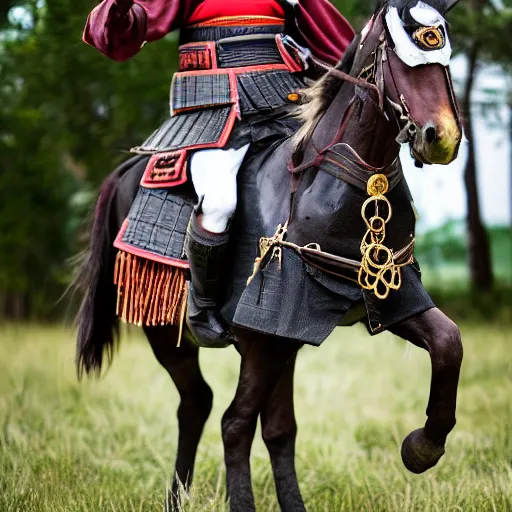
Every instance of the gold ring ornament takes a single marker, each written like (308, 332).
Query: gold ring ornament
(378, 272)
(377, 185)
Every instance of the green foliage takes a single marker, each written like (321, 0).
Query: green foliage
(68, 115)
(356, 11)
(485, 25)
(445, 248)
(442, 254)
(446, 244)
(460, 305)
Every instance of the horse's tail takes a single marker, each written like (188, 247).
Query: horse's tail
(97, 322)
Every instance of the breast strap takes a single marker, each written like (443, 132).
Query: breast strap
(342, 162)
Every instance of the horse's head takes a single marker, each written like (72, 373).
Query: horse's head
(415, 51)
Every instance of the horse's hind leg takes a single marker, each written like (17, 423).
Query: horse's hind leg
(182, 364)
(436, 333)
(264, 360)
(279, 431)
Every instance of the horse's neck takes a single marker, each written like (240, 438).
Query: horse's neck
(326, 207)
(354, 118)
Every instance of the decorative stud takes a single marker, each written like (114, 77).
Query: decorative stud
(378, 185)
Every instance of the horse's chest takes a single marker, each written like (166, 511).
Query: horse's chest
(328, 213)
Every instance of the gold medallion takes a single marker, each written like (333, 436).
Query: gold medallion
(378, 185)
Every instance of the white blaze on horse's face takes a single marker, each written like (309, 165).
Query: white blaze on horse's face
(426, 43)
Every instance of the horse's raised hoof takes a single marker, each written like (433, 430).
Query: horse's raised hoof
(420, 453)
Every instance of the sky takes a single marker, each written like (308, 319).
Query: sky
(438, 190)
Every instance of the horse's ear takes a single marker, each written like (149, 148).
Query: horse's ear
(449, 5)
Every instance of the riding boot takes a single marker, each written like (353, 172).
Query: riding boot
(206, 253)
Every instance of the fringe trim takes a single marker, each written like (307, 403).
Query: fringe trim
(149, 293)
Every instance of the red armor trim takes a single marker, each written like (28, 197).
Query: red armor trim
(294, 62)
(198, 56)
(166, 170)
(122, 246)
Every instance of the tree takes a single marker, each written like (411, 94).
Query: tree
(67, 117)
(5, 7)
(482, 32)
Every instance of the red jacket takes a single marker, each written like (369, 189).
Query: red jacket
(120, 35)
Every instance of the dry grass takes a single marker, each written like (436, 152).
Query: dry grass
(110, 445)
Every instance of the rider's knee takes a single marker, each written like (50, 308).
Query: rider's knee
(218, 209)
(220, 204)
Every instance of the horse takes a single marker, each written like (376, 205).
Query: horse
(330, 210)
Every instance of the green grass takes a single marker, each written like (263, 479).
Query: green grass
(110, 445)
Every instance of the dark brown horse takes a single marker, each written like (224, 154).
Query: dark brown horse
(351, 122)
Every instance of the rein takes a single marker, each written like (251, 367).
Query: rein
(346, 77)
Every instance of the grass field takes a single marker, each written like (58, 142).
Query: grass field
(109, 445)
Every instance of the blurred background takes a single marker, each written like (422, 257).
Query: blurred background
(67, 117)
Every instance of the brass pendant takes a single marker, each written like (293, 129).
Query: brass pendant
(267, 244)
(377, 185)
(378, 272)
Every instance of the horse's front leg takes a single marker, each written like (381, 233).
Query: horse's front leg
(436, 333)
(279, 431)
(264, 360)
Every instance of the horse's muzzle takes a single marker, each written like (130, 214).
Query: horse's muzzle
(437, 142)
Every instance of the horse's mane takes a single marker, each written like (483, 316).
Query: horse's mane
(319, 96)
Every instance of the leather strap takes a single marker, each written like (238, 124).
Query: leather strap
(339, 266)
(342, 162)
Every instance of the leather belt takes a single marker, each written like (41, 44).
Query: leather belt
(241, 52)
(332, 264)
(344, 267)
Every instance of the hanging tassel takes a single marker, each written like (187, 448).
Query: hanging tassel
(149, 293)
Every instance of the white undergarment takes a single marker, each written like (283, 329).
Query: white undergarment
(214, 173)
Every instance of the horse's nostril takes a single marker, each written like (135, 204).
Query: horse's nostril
(430, 135)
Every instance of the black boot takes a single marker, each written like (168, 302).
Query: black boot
(206, 256)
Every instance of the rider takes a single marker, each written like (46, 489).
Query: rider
(119, 29)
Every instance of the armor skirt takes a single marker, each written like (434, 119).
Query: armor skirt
(238, 72)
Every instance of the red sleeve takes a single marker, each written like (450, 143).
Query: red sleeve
(120, 35)
(326, 32)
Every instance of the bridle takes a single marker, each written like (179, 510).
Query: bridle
(369, 59)
(371, 64)
(373, 70)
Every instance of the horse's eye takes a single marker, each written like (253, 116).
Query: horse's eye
(429, 38)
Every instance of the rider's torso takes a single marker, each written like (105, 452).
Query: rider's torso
(212, 9)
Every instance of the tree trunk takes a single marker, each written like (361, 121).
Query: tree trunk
(510, 150)
(5, 7)
(478, 242)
